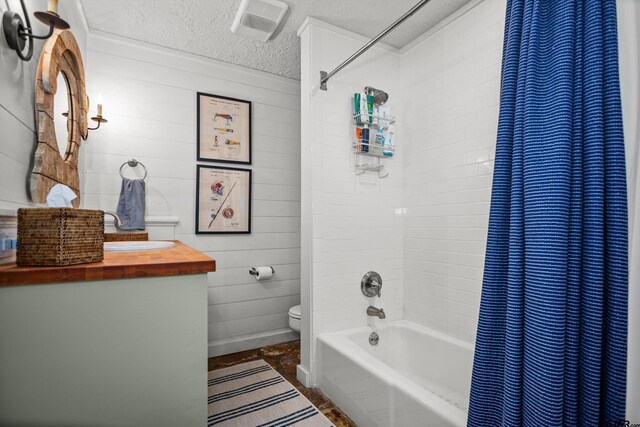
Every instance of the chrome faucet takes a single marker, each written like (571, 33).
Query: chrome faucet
(116, 219)
(378, 312)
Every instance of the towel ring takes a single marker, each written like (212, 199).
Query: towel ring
(132, 164)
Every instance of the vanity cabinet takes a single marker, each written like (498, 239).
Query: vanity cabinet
(122, 342)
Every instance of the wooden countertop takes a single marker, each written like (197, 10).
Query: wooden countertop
(175, 261)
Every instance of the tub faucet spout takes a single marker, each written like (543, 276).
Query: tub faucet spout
(378, 312)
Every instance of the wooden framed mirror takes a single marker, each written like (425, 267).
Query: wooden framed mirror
(60, 77)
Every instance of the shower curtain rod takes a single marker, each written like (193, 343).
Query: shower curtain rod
(324, 76)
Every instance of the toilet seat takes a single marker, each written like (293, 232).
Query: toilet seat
(294, 318)
(294, 312)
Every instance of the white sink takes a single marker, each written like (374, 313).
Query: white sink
(137, 246)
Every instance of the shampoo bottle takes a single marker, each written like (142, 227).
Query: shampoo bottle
(365, 139)
(390, 141)
(360, 108)
(358, 145)
(376, 148)
(369, 103)
(356, 108)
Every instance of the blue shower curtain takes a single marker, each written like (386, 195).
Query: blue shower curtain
(551, 342)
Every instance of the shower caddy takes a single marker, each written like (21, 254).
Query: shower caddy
(362, 148)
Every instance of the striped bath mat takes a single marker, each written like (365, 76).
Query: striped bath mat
(252, 394)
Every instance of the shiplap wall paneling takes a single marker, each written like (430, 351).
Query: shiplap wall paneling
(150, 100)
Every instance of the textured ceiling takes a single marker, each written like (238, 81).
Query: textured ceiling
(202, 27)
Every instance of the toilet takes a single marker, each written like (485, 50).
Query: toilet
(294, 318)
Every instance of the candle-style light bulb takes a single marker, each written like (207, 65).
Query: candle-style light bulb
(100, 101)
(53, 6)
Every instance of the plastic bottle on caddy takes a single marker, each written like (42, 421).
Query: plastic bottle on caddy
(365, 139)
(390, 141)
(376, 147)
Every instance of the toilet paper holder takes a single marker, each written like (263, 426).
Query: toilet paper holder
(253, 271)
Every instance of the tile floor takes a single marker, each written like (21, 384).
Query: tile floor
(284, 358)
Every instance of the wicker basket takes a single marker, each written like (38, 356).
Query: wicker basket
(59, 236)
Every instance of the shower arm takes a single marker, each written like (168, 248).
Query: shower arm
(324, 76)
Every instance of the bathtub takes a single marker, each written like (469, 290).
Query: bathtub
(414, 376)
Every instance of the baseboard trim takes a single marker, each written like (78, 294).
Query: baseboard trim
(249, 342)
(304, 376)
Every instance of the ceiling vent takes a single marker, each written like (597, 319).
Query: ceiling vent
(258, 19)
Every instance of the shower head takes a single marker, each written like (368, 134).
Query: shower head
(379, 96)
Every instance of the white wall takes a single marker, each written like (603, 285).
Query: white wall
(150, 101)
(17, 86)
(451, 86)
(351, 226)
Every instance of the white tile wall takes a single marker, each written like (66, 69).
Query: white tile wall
(423, 228)
(150, 101)
(452, 84)
(354, 227)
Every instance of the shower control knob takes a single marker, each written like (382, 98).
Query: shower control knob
(371, 284)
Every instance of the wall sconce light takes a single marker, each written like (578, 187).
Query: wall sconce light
(98, 118)
(17, 34)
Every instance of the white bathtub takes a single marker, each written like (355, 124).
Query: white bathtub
(414, 376)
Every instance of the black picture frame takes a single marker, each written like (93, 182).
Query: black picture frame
(246, 196)
(245, 159)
